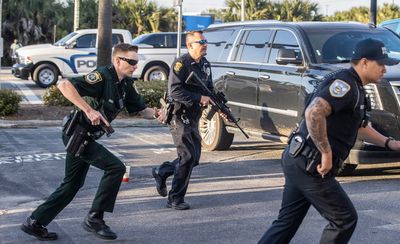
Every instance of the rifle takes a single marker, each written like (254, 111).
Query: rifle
(219, 101)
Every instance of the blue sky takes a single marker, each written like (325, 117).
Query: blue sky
(326, 6)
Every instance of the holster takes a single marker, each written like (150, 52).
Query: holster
(299, 146)
(167, 109)
(77, 142)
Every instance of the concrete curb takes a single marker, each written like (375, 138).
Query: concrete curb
(118, 123)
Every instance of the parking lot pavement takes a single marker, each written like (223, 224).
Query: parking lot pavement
(235, 194)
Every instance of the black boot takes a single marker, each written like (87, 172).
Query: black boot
(94, 223)
(34, 228)
(161, 186)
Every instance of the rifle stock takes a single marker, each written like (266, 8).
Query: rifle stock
(219, 102)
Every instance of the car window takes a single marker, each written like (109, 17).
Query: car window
(216, 42)
(117, 39)
(284, 40)
(391, 26)
(337, 45)
(155, 40)
(174, 41)
(228, 47)
(253, 46)
(86, 41)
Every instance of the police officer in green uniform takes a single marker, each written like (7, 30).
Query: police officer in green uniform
(188, 98)
(112, 89)
(336, 114)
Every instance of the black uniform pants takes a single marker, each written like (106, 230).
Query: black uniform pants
(188, 145)
(302, 190)
(76, 169)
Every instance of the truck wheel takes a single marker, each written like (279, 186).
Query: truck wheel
(213, 133)
(347, 168)
(156, 72)
(45, 75)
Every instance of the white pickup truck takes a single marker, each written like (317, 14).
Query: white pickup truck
(74, 54)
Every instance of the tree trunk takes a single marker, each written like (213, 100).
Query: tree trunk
(104, 27)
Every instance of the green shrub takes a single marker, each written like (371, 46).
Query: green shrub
(152, 91)
(9, 101)
(53, 97)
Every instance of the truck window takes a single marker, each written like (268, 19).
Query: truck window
(86, 41)
(391, 26)
(284, 39)
(117, 39)
(253, 46)
(216, 42)
(336, 45)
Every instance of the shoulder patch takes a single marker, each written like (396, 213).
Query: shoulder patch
(93, 77)
(178, 66)
(339, 88)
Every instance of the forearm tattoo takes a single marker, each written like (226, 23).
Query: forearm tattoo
(316, 114)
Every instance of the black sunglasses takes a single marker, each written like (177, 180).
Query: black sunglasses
(129, 61)
(201, 42)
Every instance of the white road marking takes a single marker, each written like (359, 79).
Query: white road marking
(27, 93)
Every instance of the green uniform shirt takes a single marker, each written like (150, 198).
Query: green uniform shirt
(103, 85)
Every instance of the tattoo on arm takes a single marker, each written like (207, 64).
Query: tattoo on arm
(315, 116)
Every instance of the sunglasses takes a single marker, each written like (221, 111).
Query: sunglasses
(129, 61)
(201, 42)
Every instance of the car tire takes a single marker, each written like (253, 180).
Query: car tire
(45, 75)
(213, 132)
(347, 168)
(156, 72)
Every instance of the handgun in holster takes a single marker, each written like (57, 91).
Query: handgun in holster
(298, 145)
(78, 135)
(167, 108)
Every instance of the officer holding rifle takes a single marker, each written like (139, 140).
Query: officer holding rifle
(188, 99)
(100, 96)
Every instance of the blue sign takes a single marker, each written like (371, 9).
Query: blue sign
(193, 22)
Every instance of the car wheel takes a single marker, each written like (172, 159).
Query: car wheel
(156, 72)
(347, 168)
(45, 75)
(213, 132)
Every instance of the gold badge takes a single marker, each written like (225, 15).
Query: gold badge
(339, 88)
(93, 77)
(178, 66)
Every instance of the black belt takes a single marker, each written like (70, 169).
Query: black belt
(307, 151)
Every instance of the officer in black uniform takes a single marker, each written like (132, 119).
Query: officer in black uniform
(111, 89)
(323, 140)
(188, 98)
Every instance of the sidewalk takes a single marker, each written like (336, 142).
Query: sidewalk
(118, 123)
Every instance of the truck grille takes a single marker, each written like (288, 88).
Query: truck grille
(372, 92)
(396, 90)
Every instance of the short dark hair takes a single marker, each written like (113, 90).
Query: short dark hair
(190, 34)
(123, 48)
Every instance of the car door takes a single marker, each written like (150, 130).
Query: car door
(82, 57)
(279, 86)
(241, 76)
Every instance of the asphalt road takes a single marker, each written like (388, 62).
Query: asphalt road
(235, 195)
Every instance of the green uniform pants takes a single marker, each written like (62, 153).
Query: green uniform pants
(76, 169)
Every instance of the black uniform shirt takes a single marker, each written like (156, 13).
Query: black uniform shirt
(344, 92)
(103, 85)
(188, 93)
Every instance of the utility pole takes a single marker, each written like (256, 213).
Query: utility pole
(372, 19)
(76, 14)
(243, 10)
(1, 37)
(178, 3)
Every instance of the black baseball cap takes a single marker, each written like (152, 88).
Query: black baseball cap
(373, 49)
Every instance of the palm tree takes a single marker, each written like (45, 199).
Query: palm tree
(104, 33)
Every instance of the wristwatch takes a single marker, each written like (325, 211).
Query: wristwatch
(387, 142)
